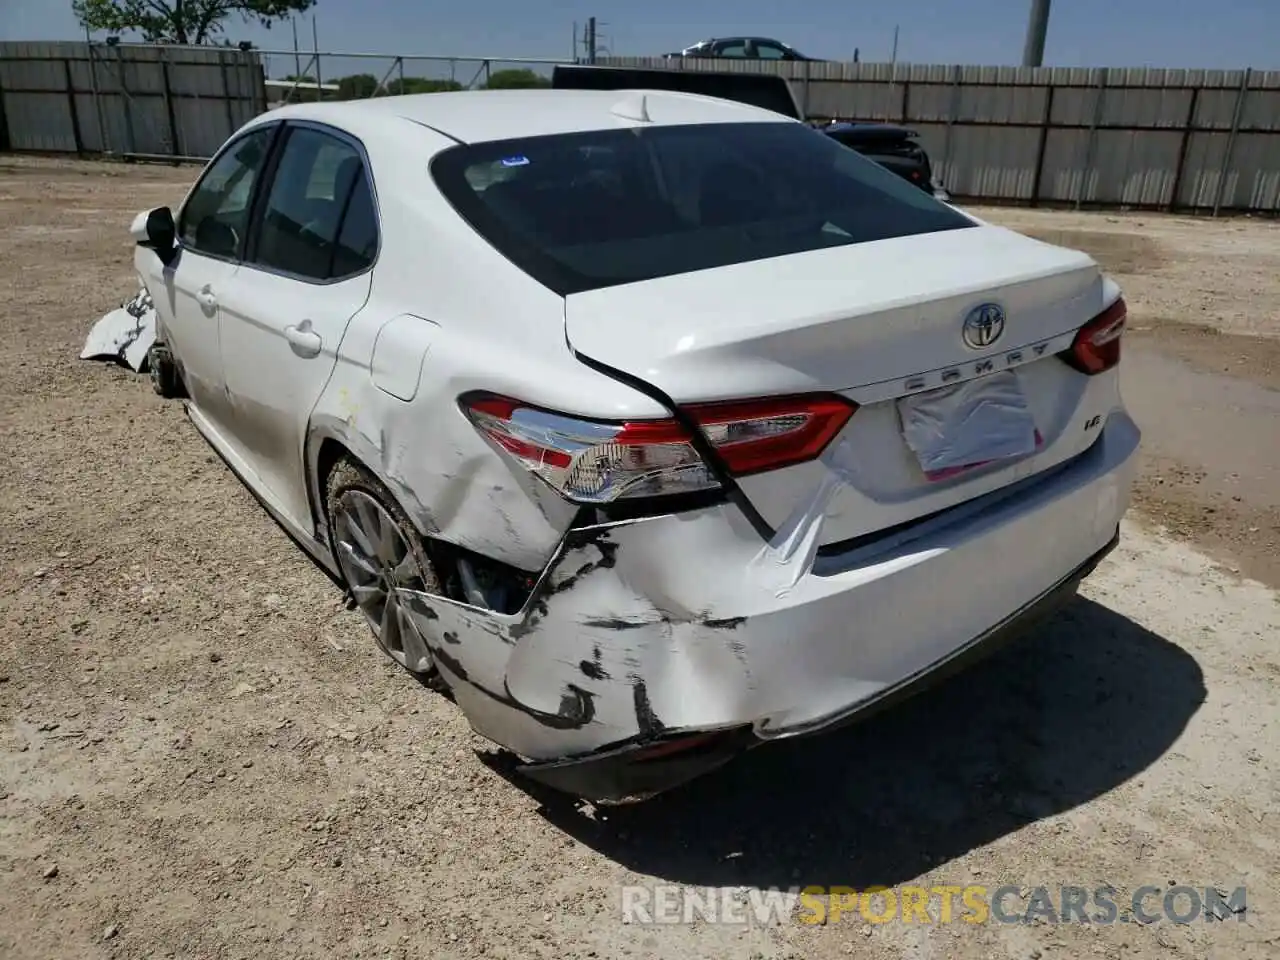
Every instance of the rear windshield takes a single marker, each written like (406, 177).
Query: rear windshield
(589, 210)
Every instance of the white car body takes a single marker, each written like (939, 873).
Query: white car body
(647, 648)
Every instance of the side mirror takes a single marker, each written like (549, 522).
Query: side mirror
(156, 231)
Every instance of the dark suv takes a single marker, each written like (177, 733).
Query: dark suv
(894, 148)
(741, 48)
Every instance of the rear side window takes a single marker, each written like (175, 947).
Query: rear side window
(588, 210)
(357, 245)
(319, 206)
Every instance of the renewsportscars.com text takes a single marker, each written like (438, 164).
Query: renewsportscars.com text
(939, 903)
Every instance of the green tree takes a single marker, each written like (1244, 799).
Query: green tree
(517, 79)
(358, 86)
(180, 21)
(304, 78)
(421, 85)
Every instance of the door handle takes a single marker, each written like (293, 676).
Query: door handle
(304, 341)
(206, 297)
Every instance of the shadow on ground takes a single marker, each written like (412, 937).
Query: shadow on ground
(1050, 722)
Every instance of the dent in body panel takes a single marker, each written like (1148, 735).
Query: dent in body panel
(449, 481)
(789, 556)
(550, 681)
(608, 648)
(595, 645)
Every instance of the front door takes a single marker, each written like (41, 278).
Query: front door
(306, 273)
(212, 226)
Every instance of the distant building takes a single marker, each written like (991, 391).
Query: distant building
(298, 91)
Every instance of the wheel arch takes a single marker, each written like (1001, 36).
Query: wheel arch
(328, 441)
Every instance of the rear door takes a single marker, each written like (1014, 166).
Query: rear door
(306, 274)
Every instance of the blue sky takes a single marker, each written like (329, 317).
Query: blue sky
(1172, 33)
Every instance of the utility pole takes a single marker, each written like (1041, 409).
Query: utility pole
(591, 40)
(1037, 30)
(315, 45)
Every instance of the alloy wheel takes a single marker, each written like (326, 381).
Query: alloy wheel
(376, 559)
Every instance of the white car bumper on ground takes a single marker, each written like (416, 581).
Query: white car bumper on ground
(643, 633)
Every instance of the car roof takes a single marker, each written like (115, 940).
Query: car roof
(477, 116)
(702, 43)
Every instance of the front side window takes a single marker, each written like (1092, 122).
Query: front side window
(588, 210)
(215, 217)
(731, 48)
(320, 182)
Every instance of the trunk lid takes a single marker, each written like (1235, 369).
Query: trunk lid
(876, 322)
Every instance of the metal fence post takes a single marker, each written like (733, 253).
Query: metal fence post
(1045, 127)
(256, 79)
(1091, 142)
(893, 82)
(171, 115)
(952, 109)
(104, 143)
(4, 122)
(1187, 130)
(131, 145)
(381, 85)
(808, 64)
(226, 93)
(1227, 154)
(71, 105)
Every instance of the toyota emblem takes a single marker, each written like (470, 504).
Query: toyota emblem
(983, 325)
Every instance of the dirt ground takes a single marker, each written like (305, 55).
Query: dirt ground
(203, 756)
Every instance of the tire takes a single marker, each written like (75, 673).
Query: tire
(376, 546)
(166, 379)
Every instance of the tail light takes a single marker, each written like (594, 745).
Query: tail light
(1097, 345)
(595, 461)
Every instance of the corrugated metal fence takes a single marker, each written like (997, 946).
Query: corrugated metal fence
(1204, 140)
(130, 100)
(1201, 140)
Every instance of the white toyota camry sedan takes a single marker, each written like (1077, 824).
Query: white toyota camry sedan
(652, 427)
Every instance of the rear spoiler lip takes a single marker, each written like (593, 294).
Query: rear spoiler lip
(773, 91)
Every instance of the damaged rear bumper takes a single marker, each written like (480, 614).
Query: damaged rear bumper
(637, 771)
(643, 635)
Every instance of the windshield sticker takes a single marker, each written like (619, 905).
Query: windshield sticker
(519, 161)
